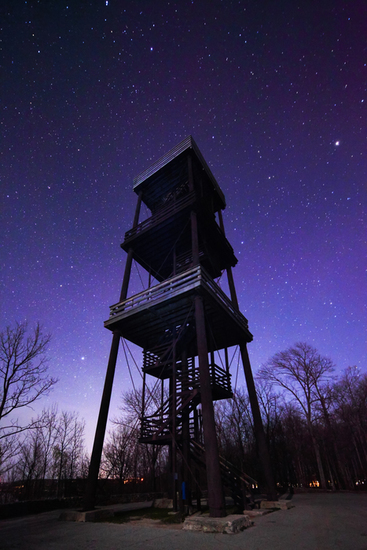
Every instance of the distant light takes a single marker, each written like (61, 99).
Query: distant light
(337, 143)
(106, 2)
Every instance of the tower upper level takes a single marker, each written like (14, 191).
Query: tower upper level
(168, 178)
(183, 246)
(172, 188)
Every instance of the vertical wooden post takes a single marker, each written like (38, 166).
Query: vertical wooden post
(143, 397)
(258, 426)
(215, 488)
(197, 471)
(173, 421)
(91, 487)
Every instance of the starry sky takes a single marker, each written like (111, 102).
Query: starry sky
(275, 96)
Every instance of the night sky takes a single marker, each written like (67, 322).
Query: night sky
(275, 96)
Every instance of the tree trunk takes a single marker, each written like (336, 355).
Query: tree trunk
(318, 458)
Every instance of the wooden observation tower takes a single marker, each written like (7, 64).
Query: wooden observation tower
(183, 320)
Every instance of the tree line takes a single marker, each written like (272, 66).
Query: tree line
(41, 456)
(124, 459)
(49, 457)
(42, 452)
(315, 424)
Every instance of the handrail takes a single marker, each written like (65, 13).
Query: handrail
(220, 377)
(157, 422)
(165, 213)
(227, 464)
(175, 285)
(215, 289)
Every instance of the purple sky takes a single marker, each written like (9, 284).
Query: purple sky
(274, 94)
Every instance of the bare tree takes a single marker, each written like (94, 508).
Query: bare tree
(24, 374)
(48, 434)
(302, 371)
(123, 456)
(119, 452)
(235, 431)
(297, 445)
(68, 449)
(349, 411)
(29, 464)
(23, 380)
(9, 447)
(51, 454)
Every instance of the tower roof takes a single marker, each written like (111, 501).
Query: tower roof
(153, 180)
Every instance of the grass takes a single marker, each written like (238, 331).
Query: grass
(164, 515)
(161, 514)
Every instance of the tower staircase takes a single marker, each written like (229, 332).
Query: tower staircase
(160, 361)
(157, 427)
(239, 484)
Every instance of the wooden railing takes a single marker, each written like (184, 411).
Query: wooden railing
(226, 467)
(171, 287)
(161, 356)
(169, 210)
(158, 424)
(188, 379)
(216, 291)
(192, 278)
(220, 378)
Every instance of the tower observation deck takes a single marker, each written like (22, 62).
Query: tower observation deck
(183, 319)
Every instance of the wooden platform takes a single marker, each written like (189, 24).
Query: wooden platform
(145, 318)
(168, 228)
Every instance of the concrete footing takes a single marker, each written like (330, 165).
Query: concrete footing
(163, 503)
(230, 524)
(276, 504)
(106, 512)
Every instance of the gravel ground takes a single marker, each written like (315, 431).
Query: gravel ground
(316, 522)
